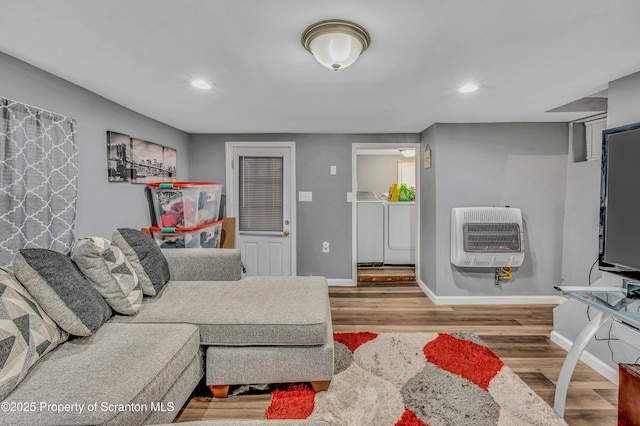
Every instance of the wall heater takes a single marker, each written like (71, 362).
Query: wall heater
(488, 237)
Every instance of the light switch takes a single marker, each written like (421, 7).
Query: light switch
(334, 170)
(305, 196)
(350, 197)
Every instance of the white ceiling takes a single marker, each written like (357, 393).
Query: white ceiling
(528, 56)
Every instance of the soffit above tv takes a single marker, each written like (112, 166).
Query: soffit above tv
(588, 104)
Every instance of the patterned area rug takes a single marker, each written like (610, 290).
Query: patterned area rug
(415, 379)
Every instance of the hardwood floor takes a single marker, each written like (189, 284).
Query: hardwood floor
(518, 334)
(382, 274)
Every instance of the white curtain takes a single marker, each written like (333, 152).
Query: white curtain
(38, 179)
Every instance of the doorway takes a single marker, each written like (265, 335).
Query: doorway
(385, 238)
(260, 180)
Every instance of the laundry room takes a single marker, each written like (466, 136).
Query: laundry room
(386, 214)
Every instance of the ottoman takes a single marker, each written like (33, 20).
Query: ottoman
(284, 335)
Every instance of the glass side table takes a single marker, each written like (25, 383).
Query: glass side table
(609, 302)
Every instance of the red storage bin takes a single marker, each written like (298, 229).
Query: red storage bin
(185, 204)
(205, 236)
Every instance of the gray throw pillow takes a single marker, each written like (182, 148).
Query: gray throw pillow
(26, 332)
(146, 258)
(108, 271)
(59, 287)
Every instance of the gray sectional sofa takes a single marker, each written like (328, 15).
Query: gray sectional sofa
(141, 368)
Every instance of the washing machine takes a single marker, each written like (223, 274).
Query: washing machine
(370, 229)
(399, 233)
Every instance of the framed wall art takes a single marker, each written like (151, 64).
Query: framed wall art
(118, 157)
(170, 162)
(152, 162)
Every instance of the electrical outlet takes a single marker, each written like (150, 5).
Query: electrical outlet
(305, 196)
(325, 247)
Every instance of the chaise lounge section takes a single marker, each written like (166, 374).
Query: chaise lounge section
(140, 368)
(256, 330)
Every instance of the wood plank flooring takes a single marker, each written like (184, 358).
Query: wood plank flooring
(518, 334)
(386, 274)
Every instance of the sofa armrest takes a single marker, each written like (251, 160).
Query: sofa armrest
(203, 264)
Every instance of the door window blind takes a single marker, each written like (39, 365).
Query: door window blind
(261, 193)
(593, 133)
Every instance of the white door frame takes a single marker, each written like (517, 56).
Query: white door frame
(229, 146)
(354, 210)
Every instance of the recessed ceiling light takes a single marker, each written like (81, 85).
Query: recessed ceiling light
(468, 88)
(201, 84)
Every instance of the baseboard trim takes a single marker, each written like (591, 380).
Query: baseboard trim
(340, 282)
(489, 300)
(499, 300)
(592, 361)
(430, 294)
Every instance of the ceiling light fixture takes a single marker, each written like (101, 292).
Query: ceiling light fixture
(407, 152)
(201, 84)
(468, 88)
(335, 43)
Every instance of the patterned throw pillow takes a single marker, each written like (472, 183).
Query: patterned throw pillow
(59, 287)
(26, 332)
(108, 271)
(146, 258)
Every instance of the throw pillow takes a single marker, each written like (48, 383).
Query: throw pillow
(108, 271)
(59, 287)
(26, 333)
(146, 258)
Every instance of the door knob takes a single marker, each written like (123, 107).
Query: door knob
(286, 221)
(285, 233)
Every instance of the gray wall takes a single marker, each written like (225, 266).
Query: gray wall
(580, 244)
(517, 164)
(582, 210)
(428, 212)
(102, 206)
(624, 101)
(328, 216)
(578, 145)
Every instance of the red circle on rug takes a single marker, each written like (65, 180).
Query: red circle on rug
(409, 418)
(354, 340)
(296, 402)
(464, 358)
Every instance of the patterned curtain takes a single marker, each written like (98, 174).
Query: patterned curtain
(38, 179)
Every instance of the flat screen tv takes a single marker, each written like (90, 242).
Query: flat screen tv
(619, 232)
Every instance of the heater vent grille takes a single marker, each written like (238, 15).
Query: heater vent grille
(493, 237)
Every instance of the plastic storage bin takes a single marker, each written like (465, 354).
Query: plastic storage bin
(206, 236)
(185, 204)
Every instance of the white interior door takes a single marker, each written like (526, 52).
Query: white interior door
(262, 204)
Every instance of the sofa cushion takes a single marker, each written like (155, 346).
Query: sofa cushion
(26, 332)
(253, 311)
(134, 364)
(204, 264)
(146, 258)
(108, 271)
(59, 287)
